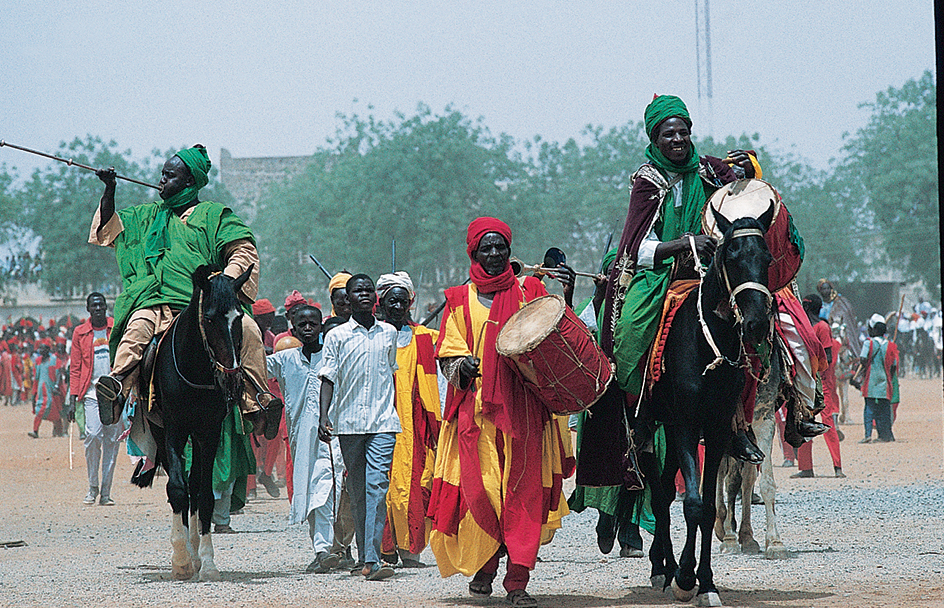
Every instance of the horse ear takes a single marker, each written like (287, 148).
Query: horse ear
(239, 281)
(723, 223)
(201, 278)
(767, 217)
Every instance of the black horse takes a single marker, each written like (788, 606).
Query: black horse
(198, 381)
(698, 392)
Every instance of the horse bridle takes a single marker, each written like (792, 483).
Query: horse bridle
(217, 366)
(738, 233)
(706, 332)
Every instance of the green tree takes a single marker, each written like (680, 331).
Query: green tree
(414, 180)
(891, 166)
(57, 204)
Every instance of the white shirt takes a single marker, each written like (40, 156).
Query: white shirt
(101, 364)
(360, 363)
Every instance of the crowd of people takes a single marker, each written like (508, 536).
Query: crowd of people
(23, 267)
(395, 436)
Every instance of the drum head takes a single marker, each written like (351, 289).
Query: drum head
(529, 326)
(743, 198)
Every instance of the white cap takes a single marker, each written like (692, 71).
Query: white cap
(875, 319)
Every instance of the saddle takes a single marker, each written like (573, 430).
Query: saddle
(677, 294)
(147, 395)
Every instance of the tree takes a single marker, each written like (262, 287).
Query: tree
(891, 166)
(414, 180)
(57, 204)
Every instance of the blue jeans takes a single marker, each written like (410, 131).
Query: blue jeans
(879, 411)
(368, 459)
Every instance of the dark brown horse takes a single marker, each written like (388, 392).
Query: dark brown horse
(697, 395)
(198, 381)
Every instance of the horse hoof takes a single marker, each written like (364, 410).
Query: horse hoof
(777, 551)
(183, 572)
(750, 547)
(709, 599)
(730, 547)
(657, 581)
(680, 594)
(210, 576)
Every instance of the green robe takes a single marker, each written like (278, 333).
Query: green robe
(234, 460)
(201, 240)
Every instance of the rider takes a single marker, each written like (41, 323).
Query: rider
(668, 195)
(158, 246)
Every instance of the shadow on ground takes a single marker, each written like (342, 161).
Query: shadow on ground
(646, 596)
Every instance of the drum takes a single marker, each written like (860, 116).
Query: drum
(751, 198)
(556, 355)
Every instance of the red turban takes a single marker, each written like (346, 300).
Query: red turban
(294, 299)
(481, 226)
(262, 307)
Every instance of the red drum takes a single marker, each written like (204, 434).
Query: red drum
(751, 198)
(556, 354)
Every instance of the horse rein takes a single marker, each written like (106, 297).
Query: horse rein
(706, 332)
(216, 364)
(219, 367)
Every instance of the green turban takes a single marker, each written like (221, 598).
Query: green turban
(198, 162)
(663, 107)
(608, 259)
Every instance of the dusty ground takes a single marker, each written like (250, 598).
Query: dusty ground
(873, 539)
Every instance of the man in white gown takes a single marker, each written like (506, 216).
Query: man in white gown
(318, 466)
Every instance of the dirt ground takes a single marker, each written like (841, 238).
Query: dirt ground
(875, 538)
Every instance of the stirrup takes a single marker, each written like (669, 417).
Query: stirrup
(110, 399)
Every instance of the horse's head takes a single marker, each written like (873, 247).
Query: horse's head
(221, 323)
(742, 261)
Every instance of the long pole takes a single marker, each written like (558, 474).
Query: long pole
(72, 163)
(323, 269)
(898, 318)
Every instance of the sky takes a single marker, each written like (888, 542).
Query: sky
(268, 79)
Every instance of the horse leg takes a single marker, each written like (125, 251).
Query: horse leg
(746, 531)
(182, 566)
(765, 430)
(725, 525)
(208, 572)
(660, 575)
(714, 452)
(194, 486)
(694, 508)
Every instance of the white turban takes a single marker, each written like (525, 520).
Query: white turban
(876, 319)
(386, 282)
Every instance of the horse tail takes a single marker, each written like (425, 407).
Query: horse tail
(143, 479)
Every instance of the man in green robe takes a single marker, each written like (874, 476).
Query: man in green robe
(158, 246)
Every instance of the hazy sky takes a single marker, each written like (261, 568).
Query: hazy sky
(268, 81)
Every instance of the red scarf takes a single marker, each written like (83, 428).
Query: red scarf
(499, 385)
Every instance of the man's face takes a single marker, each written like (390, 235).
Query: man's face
(396, 306)
(362, 295)
(341, 303)
(97, 310)
(674, 140)
(824, 290)
(175, 176)
(307, 327)
(493, 253)
(264, 321)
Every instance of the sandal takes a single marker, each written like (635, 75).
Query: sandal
(480, 588)
(520, 597)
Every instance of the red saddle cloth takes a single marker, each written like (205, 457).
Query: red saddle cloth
(678, 292)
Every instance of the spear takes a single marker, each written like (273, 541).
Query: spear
(72, 163)
(323, 269)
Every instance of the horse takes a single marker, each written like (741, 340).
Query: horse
(198, 381)
(698, 392)
(736, 478)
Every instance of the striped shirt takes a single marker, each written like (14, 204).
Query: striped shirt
(360, 363)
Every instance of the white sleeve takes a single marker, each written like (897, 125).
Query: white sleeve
(589, 317)
(646, 256)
